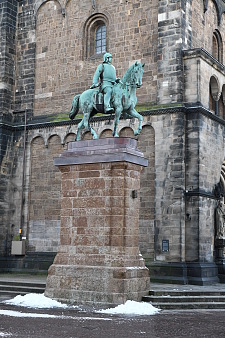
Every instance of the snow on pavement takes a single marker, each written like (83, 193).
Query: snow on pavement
(34, 300)
(132, 308)
(23, 314)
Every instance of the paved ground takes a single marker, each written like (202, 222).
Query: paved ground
(86, 323)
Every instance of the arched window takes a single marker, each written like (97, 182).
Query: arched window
(214, 95)
(100, 39)
(217, 46)
(95, 36)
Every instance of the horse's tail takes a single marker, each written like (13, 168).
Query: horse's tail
(75, 107)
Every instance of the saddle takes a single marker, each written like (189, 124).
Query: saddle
(98, 101)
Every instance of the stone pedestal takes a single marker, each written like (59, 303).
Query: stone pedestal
(98, 261)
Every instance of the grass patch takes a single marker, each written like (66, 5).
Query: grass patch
(139, 107)
(152, 106)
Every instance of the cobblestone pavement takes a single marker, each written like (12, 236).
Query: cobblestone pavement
(86, 323)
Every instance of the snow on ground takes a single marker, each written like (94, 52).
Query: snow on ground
(23, 314)
(16, 314)
(35, 300)
(132, 308)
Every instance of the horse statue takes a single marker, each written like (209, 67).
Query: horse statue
(123, 100)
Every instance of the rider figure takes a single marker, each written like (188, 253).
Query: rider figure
(107, 74)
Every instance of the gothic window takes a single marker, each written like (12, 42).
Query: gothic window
(95, 36)
(217, 46)
(100, 40)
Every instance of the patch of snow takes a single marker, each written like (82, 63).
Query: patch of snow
(23, 314)
(11, 313)
(35, 300)
(5, 334)
(132, 308)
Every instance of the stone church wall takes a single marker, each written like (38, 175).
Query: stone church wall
(48, 59)
(43, 186)
(52, 46)
(162, 183)
(205, 22)
(205, 153)
(170, 184)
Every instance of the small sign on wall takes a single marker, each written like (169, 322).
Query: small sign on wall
(165, 245)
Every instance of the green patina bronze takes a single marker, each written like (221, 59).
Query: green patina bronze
(109, 94)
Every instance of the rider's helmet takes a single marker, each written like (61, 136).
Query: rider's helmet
(106, 56)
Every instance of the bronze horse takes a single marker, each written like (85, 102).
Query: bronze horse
(123, 100)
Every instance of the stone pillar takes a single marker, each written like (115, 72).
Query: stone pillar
(98, 261)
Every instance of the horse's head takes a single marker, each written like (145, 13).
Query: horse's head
(136, 74)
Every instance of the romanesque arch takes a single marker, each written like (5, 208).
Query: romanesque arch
(45, 189)
(126, 132)
(217, 46)
(106, 133)
(69, 138)
(86, 136)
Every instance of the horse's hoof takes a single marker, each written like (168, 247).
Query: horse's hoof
(137, 132)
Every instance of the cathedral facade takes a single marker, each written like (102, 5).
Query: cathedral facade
(49, 52)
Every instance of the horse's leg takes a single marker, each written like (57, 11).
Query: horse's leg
(79, 128)
(135, 114)
(87, 125)
(116, 121)
(94, 134)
